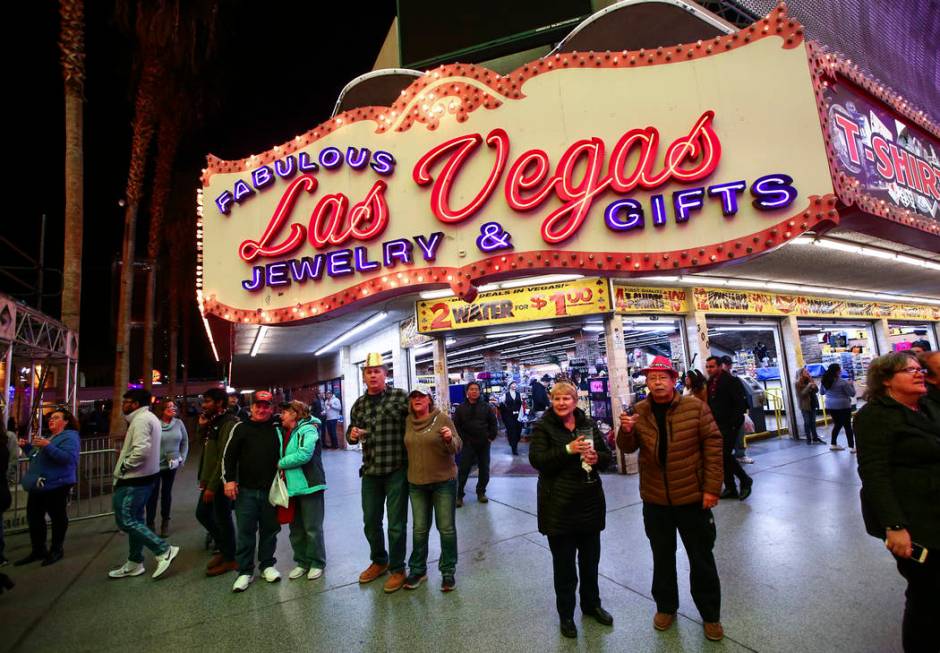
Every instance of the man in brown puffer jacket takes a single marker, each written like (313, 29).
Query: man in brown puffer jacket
(680, 479)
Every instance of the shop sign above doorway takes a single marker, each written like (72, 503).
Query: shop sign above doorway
(524, 304)
(630, 300)
(744, 302)
(612, 163)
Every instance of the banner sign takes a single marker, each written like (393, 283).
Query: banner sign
(885, 155)
(629, 299)
(524, 304)
(606, 163)
(745, 302)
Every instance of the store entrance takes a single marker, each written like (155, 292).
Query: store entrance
(903, 335)
(648, 337)
(848, 344)
(756, 351)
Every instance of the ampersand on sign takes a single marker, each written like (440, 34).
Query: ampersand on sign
(493, 237)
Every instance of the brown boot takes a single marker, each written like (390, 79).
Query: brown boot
(663, 620)
(395, 582)
(372, 572)
(713, 631)
(215, 561)
(222, 568)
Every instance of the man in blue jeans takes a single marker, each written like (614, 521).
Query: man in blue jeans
(134, 475)
(248, 468)
(377, 419)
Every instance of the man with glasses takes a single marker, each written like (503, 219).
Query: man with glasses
(681, 454)
(134, 475)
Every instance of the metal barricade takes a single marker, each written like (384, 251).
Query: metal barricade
(90, 497)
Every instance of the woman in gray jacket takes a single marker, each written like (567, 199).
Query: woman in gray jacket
(840, 395)
(174, 447)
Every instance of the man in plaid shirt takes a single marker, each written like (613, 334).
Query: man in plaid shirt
(377, 419)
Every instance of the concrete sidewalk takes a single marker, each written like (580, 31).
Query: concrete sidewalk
(798, 574)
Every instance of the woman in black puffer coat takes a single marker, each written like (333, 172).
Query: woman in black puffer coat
(568, 450)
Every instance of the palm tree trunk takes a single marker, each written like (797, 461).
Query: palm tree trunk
(72, 48)
(167, 142)
(143, 135)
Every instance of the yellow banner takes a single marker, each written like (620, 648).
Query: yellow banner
(629, 300)
(525, 304)
(715, 300)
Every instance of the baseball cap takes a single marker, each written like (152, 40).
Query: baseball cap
(661, 364)
(421, 389)
(262, 395)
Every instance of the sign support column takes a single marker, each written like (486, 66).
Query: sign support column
(618, 384)
(793, 351)
(441, 382)
(882, 336)
(696, 326)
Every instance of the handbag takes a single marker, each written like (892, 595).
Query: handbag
(748, 424)
(278, 496)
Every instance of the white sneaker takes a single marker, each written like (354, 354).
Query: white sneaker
(314, 573)
(271, 574)
(296, 572)
(851, 449)
(163, 561)
(745, 460)
(835, 447)
(242, 582)
(129, 568)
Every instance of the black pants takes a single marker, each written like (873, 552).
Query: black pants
(565, 548)
(919, 631)
(842, 417)
(696, 527)
(474, 454)
(513, 433)
(732, 466)
(55, 504)
(330, 441)
(162, 486)
(216, 517)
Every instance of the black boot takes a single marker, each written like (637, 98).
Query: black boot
(34, 556)
(54, 556)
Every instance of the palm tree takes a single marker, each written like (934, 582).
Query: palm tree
(72, 49)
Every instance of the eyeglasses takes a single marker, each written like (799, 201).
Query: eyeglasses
(912, 370)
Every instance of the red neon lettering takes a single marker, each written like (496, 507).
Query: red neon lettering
(913, 172)
(929, 177)
(884, 167)
(463, 147)
(520, 178)
(251, 249)
(368, 218)
(850, 132)
(900, 164)
(562, 223)
(647, 139)
(325, 226)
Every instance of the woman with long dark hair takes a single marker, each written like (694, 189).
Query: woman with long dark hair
(174, 447)
(696, 385)
(53, 467)
(808, 393)
(899, 464)
(840, 394)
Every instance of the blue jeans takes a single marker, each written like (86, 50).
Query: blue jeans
(441, 499)
(306, 531)
(377, 491)
(809, 424)
(128, 503)
(255, 518)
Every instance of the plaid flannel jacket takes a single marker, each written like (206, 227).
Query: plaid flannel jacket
(383, 449)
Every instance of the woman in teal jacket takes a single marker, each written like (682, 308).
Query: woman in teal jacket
(302, 463)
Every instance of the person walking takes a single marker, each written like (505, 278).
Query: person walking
(377, 420)
(214, 509)
(899, 464)
(568, 451)
(53, 466)
(249, 464)
(681, 452)
(476, 423)
(808, 393)
(134, 474)
(302, 465)
(840, 395)
(333, 410)
(174, 447)
(510, 409)
(432, 442)
(727, 403)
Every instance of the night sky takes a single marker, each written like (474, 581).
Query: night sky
(277, 72)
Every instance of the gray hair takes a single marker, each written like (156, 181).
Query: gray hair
(564, 388)
(883, 369)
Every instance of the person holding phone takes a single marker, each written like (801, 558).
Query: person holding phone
(432, 443)
(568, 450)
(898, 433)
(681, 451)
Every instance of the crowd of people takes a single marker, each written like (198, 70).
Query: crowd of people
(262, 468)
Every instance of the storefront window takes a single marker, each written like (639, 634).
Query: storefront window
(848, 344)
(902, 335)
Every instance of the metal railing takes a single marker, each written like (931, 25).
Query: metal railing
(90, 497)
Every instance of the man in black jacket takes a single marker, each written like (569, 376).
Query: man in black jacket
(728, 402)
(214, 510)
(249, 465)
(930, 361)
(538, 395)
(476, 425)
